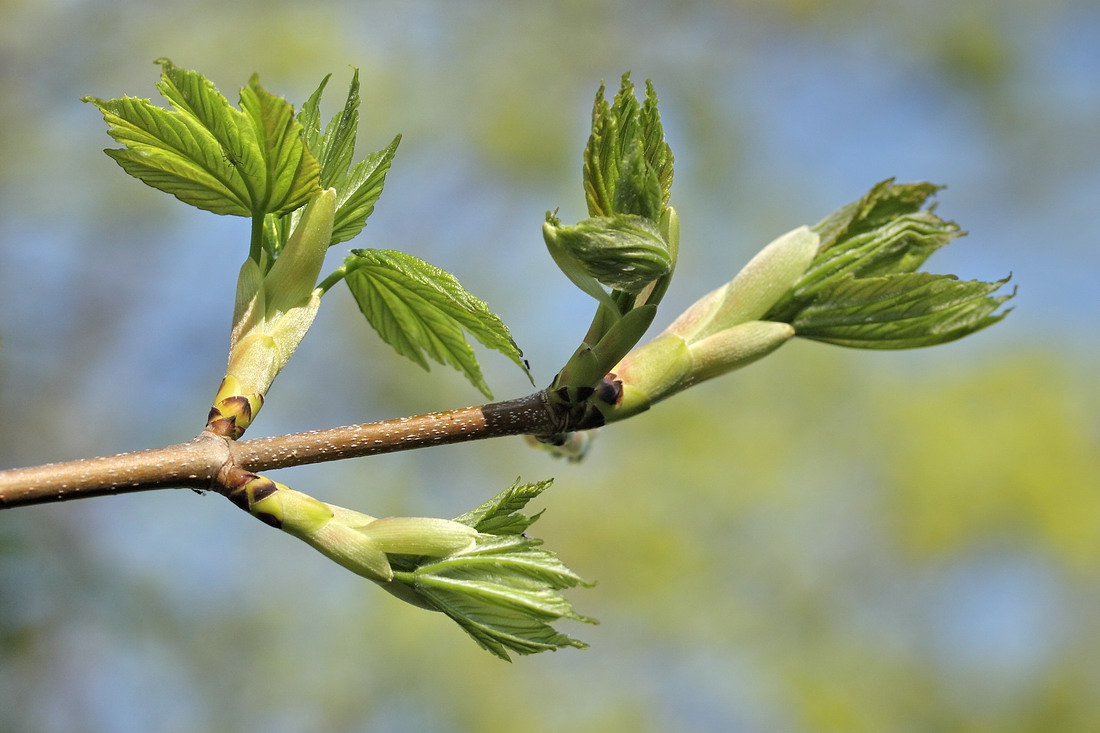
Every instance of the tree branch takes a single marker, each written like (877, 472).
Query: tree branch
(205, 461)
(521, 416)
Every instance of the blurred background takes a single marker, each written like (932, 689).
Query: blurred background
(830, 540)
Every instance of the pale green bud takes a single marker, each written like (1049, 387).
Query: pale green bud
(718, 333)
(273, 311)
(698, 315)
(668, 364)
(656, 369)
(254, 362)
(767, 278)
(360, 542)
(349, 547)
(735, 347)
(289, 328)
(761, 283)
(248, 308)
(420, 535)
(297, 513)
(294, 275)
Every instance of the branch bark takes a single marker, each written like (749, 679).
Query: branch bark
(205, 461)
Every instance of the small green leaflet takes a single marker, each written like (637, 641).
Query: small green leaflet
(501, 514)
(901, 311)
(627, 163)
(247, 162)
(504, 593)
(422, 311)
(624, 252)
(336, 147)
(357, 186)
(359, 191)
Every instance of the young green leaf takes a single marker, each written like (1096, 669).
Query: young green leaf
(658, 155)
(862, 288)
(501, 514)
(290, 172)
(627, 163)
(167, 153)
(422, 311)
(897, 245)
(900, 311)
(885, 202)
(624, 111)
(357, 186)
(361, 187)
(504, 594)
(310, 117)
(335, 150)
(601, 159)
(246, 162)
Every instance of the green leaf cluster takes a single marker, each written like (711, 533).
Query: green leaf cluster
(626, 243)
(862, 288)
(265, 162)
(247, 162)
(504, 592)
(630, 241)
(358, 186)
(627, 163)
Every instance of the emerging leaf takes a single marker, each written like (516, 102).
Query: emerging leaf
(504, 593)
(501, 514)
(247, 162)
(627, 163)
(422, 311)
(359, 191)
(624, 252)
(631, 240)
(358, 186)
(900, 311)
(862, 288)
(335, 149)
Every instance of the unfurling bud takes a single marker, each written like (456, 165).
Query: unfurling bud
(623, 252)
(719, 333)
(481, 569)
(761, 284)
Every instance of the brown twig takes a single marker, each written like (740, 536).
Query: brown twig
(203, 462)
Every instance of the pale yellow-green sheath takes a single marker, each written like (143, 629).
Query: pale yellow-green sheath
(357, 541)
(717, 334)
(273, 311)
